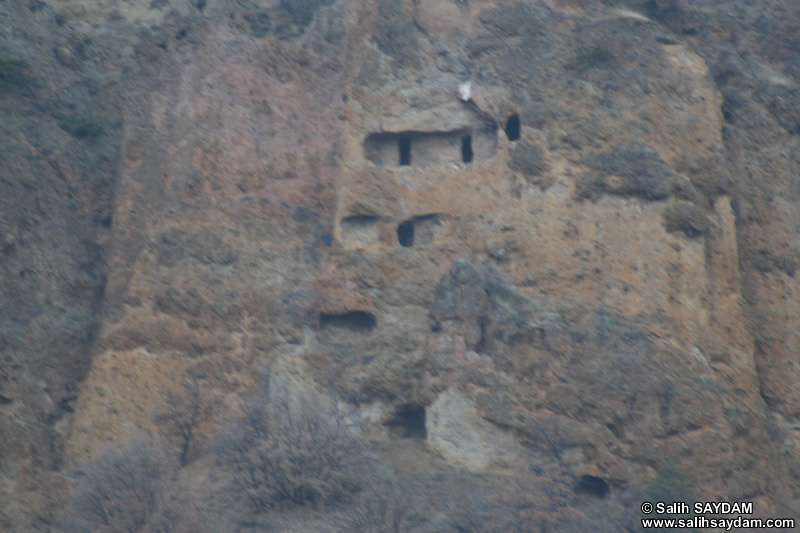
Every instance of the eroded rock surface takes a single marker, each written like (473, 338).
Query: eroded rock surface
(538, 230)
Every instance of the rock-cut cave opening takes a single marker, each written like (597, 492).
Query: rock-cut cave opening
(404, 148)
(466, 149)
(592, 486)
(357, 321)
(405, 234)
(513, 127)
(408, 422)
(420, 230)
(420, 149)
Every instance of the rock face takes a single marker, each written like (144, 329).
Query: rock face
(589, 255)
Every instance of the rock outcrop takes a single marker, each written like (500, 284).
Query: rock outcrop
(588, 256)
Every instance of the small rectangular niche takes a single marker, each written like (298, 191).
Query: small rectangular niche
(405, 234)
(408, 423)
(404, 149)
(466, 149)
(592, 486)
(359, 229)
(419, 231)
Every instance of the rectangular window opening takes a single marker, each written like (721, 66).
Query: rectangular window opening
(404, 146)
(466, 149)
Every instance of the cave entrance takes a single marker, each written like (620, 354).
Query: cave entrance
(592, 486)
(404, 148)
(357, 321)
(466, 149)
(420, 230)
(408, 422)
(405, 234)
(513, 127)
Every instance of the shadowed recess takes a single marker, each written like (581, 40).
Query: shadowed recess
(513, 127)
(359, 229)
(360, 220)
(592, 486)
(357, 321)
(466, 149)
(420, 230)
(405, 233)
(404, 148)
(409, 422)
(472, 143)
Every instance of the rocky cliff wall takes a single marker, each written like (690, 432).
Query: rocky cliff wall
(546, 229)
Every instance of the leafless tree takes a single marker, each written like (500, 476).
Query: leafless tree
(121, 487)
(288, 451)
(181, 413)
(385, 504)
(179, 512)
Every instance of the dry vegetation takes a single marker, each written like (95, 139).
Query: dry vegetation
(288, 452)
(291, 459)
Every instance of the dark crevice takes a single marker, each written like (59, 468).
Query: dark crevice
(482, 345)
(727, 115)
(356, 321)
(616, 431)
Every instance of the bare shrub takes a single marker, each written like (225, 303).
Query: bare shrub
(288, 451)
(121, 488)
(469, 516)
(386, 504)
(531, 500)
(178, 512)
(181, 413)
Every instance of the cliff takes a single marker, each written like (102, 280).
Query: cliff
(557, 234)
